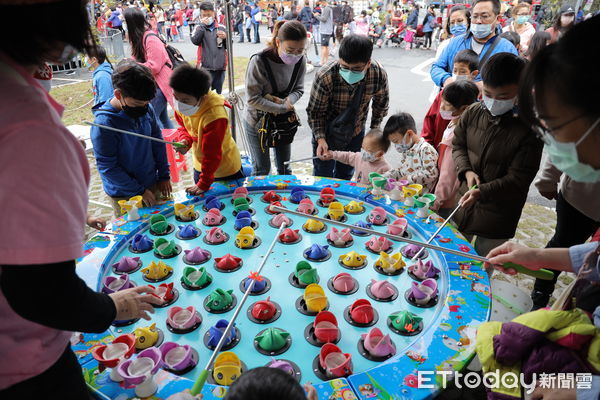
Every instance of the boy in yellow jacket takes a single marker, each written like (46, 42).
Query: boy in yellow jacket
(204, 127)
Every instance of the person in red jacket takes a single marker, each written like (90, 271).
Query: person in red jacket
(466, 66)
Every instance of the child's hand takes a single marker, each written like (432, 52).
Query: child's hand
(148, 198)
(472, 179)
(515, 253)
(183, 149)
(134, 303)
(470, 198)
(311, 392)
(96, 223)
(185, 395)
(194, 190)
(165, 188)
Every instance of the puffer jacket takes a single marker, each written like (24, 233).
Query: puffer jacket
(542, 341)
(506, 155)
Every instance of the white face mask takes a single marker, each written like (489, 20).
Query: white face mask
(566, 20)
(498, 107)
(210, 21)
(564, 157)
(460, 77)
(404, 145)
(367, 156)
(186, 109)
(447, 115)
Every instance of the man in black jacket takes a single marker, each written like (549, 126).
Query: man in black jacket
(211, 41)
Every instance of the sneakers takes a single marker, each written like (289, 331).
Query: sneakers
(540, 299)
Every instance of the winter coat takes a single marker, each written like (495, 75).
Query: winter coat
(543, 341)
(157, 59)
(505, 153)
(210, 56)
(102, 83)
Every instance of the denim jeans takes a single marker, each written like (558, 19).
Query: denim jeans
(256, 35)
(241, 32)
(218, 77)
(159, 103)
(333, 168)
(261, 160)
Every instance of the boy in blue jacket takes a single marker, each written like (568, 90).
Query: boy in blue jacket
(483, 38)
(102, 76)
(129, 165)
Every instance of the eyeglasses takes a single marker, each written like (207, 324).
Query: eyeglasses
(543, 130)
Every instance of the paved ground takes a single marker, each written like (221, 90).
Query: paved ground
(410, 88)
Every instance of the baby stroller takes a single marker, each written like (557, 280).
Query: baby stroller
(395, 35)
(419, 37)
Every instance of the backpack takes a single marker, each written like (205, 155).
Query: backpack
(175, 55)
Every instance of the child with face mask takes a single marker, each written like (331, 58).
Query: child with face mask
(204, 128)
(370, 159)
(129, 165)
(496, 157)
(465, 66)
(102, 76)
(456, 97)
(418, 159)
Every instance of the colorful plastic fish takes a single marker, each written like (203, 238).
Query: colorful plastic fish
(390, 263)
(354, 207)
(213, 217)
(245, 238)
(157, 270)
(145, 336)
(353, 259)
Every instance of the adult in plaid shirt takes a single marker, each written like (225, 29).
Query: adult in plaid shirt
(332, 92)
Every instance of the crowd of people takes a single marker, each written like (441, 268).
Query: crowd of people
(498, 106)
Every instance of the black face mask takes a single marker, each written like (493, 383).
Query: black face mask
(135, 112)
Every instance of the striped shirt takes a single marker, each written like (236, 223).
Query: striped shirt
(331, 94)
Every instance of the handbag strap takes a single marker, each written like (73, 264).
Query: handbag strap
(488, 53)
(293, 79)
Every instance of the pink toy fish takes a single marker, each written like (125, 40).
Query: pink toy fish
(344, 282)
(382, 289)
(398, 227)
(339, 237)
(213, 217)
(306, 206)
(378, 244)
(280, 219)
(377, 344)
(216, 235)
(377, 216)
(239, 192)
(182, 318)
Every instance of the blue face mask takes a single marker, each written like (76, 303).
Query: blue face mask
(351, 76)
(521, 19)
(481, 31)
(458, 29)
(564, 157)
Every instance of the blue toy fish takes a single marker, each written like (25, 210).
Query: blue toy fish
(297, 195)
(216, 332)
(188, 232)
(212, 202)
(361, 224)
(141, 243)
(242, 219)
(317, 252)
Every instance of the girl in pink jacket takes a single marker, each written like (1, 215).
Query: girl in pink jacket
(148, 49)
(456, 97)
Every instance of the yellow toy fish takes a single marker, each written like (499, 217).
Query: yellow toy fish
(184, 212)
(336, 211)
(157, 271)
(312, 225)
(354, 207)
(390, 263)
(127, 205)
(245, 239)
(314, 297)
(145, 337)
(353, 259)
(227, 368)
